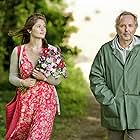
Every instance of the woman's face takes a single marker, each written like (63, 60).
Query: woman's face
(39, 29)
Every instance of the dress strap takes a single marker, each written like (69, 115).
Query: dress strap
(19, 53)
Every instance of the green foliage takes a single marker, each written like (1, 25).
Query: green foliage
(72, 91)
(2, 51)
(58, 28)
(5, 97)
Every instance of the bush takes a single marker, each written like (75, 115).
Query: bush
(72, 92)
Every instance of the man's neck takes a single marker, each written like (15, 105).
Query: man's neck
(125, 43)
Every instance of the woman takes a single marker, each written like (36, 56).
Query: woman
(37, 92)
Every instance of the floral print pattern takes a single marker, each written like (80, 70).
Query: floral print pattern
(38, 108)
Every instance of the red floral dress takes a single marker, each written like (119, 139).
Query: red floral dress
(38, 107)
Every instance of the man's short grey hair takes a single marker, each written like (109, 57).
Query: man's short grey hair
(126, 13)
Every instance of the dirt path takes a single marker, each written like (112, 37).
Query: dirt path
(92, 129)
(87, 128)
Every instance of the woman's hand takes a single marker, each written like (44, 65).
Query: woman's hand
(29, 82)
(38, 75)
(51, 80)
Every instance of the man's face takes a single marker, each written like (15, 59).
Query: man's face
(126, 28)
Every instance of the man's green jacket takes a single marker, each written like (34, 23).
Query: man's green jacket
(116, 86)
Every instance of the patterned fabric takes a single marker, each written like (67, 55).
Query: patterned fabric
(38, 108)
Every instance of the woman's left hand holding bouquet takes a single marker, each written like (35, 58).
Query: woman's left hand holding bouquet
(51, 80)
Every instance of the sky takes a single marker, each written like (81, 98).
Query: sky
(96, 31)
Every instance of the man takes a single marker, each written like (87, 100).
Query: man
(115, 80)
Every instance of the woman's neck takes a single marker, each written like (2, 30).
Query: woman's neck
(35, 43)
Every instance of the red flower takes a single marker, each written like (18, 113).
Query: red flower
(61, 64)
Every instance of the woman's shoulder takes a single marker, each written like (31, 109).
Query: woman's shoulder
(17, 49)
(18, 46)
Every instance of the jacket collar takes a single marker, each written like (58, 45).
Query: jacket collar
(136, 41)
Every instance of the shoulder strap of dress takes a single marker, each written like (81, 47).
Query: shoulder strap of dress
(19, 52)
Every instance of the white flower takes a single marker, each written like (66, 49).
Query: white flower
(44, 65)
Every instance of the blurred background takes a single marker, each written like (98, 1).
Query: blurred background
(79, 28)
(95, 20)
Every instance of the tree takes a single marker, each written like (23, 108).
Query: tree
(18, 10)
(59, 30)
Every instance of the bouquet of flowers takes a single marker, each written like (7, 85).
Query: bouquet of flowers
(51, 63)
